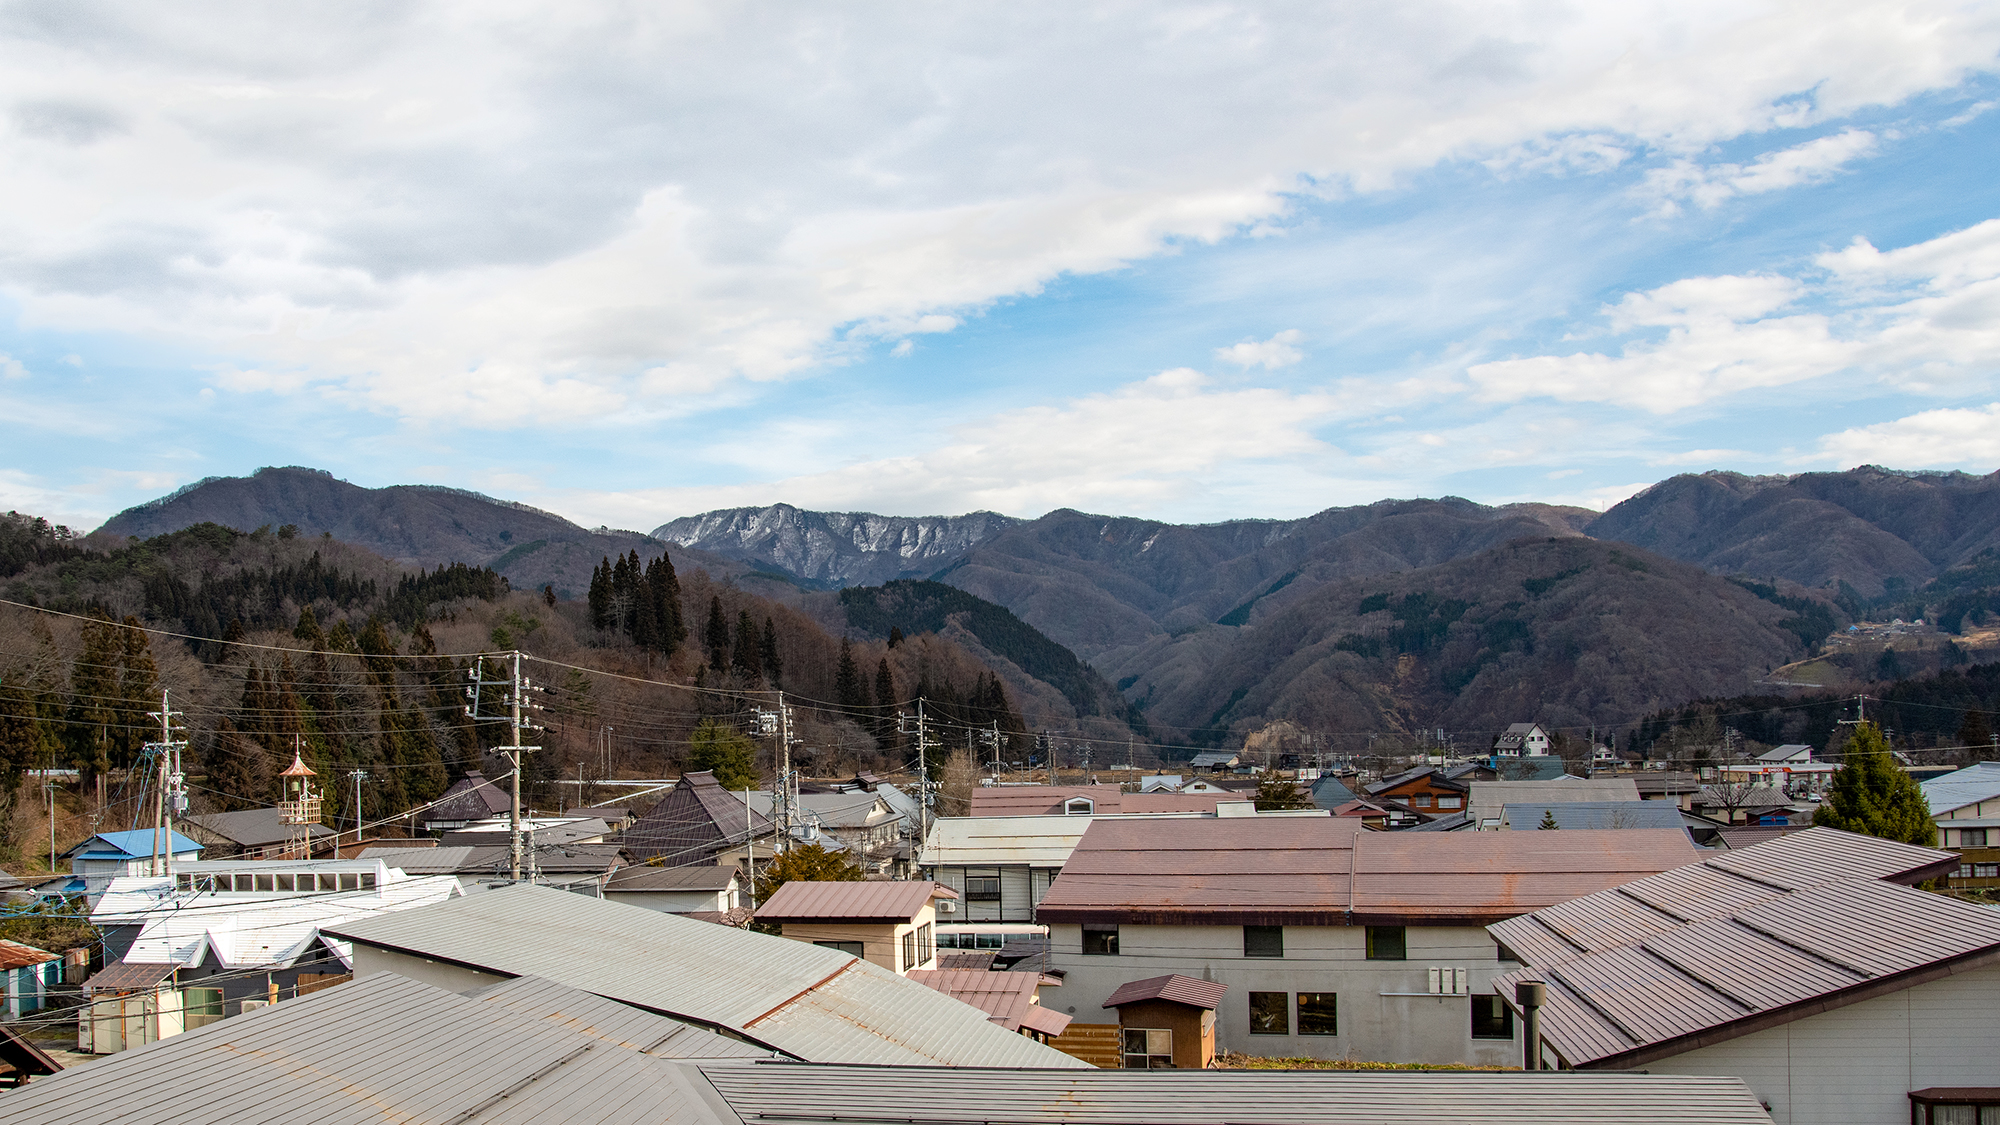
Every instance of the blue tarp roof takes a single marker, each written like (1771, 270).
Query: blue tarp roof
(130, 845)
(1596, 814)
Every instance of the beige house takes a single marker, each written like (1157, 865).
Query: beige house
(893, 925)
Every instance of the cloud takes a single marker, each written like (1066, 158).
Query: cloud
(1956, 437)
(11, 368)
(1278, 351)
(1140, 447)
(524, 215)
(1709, 185)
(1924, 318)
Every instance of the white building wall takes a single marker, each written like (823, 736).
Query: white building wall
(1856, 1065)
(1386, 1013)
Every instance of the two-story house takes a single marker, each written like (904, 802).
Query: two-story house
(1966, 808)
(1331, 941)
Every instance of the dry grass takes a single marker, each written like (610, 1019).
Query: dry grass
(1230, 1060)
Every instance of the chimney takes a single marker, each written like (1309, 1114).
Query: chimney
(1530, 994)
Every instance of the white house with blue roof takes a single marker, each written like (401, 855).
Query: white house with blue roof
(112, 855)
(1966, 808)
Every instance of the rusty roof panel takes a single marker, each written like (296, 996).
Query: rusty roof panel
(851, 901)
(1816, 855)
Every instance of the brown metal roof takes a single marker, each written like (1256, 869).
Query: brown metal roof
(713, 877)
(1108, 800)
(1329, 871)
(1740, 941)
(124, 977)
(977, 960)
(14, 955)
(1173, 986)
(692, 823)
(1044, 1020)
(1006, 998)
(850, 902)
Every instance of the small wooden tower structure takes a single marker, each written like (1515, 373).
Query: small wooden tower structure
(299, 809)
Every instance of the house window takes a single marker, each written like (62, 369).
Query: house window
(1270, 1013)
(852, 948)
(350, 881)
(1263, 941)
(1387, 943)
(266, 883)
(186, 882)
(1972, 837)
(1079, 806)
(285, 882)
(1148, 1048)
(1491, 1019)
(910, 950)
(982, 889)
(1319, 1013)
(1450, 801)
(926, 947)
(1102, 939)
(203, 1006)
(367, 880)
(246, 882)
(1986, 870)
(1420, 801)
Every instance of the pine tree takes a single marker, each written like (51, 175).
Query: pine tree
(1974, 734)
(885, 705)
(599, 598)
(645, 616)
(93, 698)
(139, 688)
(728, 753)
(307, 630)
(1548, 823)
(669, 626)
(716, 637)
(746, 657)
(774, 666)
(848, 691)
(1871, 796)
(239, 770)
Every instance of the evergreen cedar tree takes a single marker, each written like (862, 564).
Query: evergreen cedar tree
(1871, 796)
(1281, 793)
(715, 638)
(727, 752)
(805, 863)
(1548, 823)
(642, 602)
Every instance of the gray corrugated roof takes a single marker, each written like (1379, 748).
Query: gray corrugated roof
(853, 901)
(1974, 783)
(1593, 814)
(710, 878)
(789, 1091)
(379, 1049)
(252, 827)
(629, 1027)
(810, 1002)
(1810, 920)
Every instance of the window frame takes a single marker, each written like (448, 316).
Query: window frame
(200, 1014)
(983, 893)
(1108, 939)
(1263, 948)
(1332, 1002)
(1284, 1010)
(1376, 952)
(858, 950)
(909, 949)
(1125, 1053)
(1505, 1018)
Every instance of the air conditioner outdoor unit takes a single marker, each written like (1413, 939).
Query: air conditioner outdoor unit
(252, 1005)
(947, 906)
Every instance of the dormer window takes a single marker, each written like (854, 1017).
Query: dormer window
(1079, 806)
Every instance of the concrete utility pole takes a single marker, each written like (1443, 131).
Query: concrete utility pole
(515, 701)
(923, 772)
(170, 796)
(359, 776)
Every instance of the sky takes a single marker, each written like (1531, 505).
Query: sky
(1185, 261)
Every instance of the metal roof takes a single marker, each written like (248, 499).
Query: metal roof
(478, 859)
(692, 823)
(583, 829)
(471, 797)
(808, 1001)
(1006, 998)
(832, 810)
(248, 930)
(632, 1028)
(1969, 786)
(252, 827)
(14, 955)
(770, 1092)
(1738, 941)
(1037, 841)
(1173, 986)
(123, 977)
(1332, 872)
(854, 901)
(384, 1048)
(136, 844)
(1593, 814)
(713, 877)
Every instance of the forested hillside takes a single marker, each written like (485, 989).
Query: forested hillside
(273, 642)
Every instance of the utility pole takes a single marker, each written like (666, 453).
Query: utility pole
(169, 797)
(359, 776)
(514, 701)
(923, 769)
(49, 787)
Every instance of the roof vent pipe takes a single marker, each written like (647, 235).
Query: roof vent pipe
(1530, 994)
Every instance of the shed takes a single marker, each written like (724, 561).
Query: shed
(1166, 1022)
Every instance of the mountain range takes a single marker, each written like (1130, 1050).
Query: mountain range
(1487, 614)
